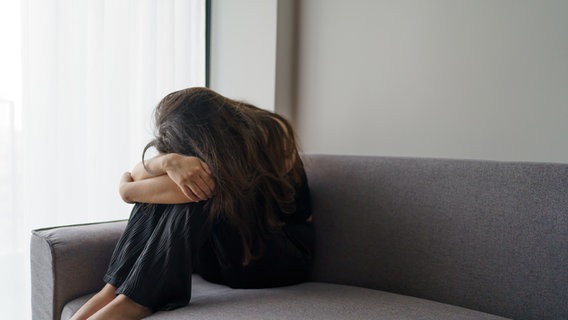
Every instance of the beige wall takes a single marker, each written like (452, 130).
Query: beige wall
(253, 45)
(243, 50)
(435, 78)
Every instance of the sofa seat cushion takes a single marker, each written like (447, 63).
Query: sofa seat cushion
(312, 300)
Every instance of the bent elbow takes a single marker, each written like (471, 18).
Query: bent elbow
(127, 199)
(125, 194)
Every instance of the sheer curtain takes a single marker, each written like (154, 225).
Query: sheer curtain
(93, 70)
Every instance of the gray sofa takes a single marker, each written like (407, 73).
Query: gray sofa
(397, 238)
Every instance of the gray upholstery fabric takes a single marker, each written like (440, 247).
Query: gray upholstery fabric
(483, 235)
(305, 301)
(69, 262)
(490, 236)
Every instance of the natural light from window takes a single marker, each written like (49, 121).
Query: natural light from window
(78, 82)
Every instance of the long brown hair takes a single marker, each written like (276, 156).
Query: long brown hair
(252, 154)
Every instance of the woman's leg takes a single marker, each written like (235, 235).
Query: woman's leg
(97, 302)
(160, 276)
(122, 308)
(125, 254)
(152, 263)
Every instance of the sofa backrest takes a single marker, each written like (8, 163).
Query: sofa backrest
(486, 235)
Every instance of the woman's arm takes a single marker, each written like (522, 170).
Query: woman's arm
(160, 189)
(155, 165)
(170, 178)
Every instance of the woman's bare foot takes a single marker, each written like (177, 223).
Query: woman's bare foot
(97, 302)
(122, 308)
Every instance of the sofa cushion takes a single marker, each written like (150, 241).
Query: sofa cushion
(310, 300)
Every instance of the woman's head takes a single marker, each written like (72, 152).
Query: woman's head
(183, 118)
(251, 152)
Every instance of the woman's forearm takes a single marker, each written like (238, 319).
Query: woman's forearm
(155, 166)
(191, 175)
(159, 189)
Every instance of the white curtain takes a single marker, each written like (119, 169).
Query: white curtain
(93, 70)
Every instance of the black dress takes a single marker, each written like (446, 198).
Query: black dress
(162, 246)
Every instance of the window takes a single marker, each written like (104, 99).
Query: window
(91, 74)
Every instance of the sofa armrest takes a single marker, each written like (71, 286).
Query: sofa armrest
(68, 262)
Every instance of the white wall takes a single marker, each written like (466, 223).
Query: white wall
(253, 52)
(243, 50)
(436, 78)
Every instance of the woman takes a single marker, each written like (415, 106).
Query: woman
(227, 194)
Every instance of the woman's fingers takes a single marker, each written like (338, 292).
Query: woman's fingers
(203, 184)
(205, 167)
(194, 177)
(210, 182)
(190, 194)
(198, 188)
(207, 185)
(197, 193)
(207, 182)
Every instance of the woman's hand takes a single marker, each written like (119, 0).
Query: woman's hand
(192, 176)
